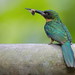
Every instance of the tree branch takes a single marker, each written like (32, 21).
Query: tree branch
(33, 59)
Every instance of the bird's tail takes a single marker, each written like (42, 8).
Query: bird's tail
(68, 54)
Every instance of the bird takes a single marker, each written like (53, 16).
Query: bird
(57, 31)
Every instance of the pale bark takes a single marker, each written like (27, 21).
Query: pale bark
(32, 59)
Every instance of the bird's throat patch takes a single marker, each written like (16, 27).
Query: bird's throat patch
(47, 20)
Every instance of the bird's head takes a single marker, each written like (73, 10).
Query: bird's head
(47, 14)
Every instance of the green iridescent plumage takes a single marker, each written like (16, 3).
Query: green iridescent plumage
(57, 31)
(56, 28)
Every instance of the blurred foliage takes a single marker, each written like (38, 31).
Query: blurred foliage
(17, 25)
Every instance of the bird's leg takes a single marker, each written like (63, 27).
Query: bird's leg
(51, 42)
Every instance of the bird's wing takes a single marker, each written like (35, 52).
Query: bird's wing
(67, 32)
(56, 31)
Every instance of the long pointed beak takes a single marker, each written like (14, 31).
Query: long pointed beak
(33, 11)
(39, 12)
(28, 8)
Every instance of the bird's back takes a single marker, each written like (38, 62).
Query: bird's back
(58, 31)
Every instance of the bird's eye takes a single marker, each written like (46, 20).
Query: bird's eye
(47, 13)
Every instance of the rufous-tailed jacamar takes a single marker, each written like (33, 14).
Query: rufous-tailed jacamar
(57, 31)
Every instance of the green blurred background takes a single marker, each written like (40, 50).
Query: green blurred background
(17, 25)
